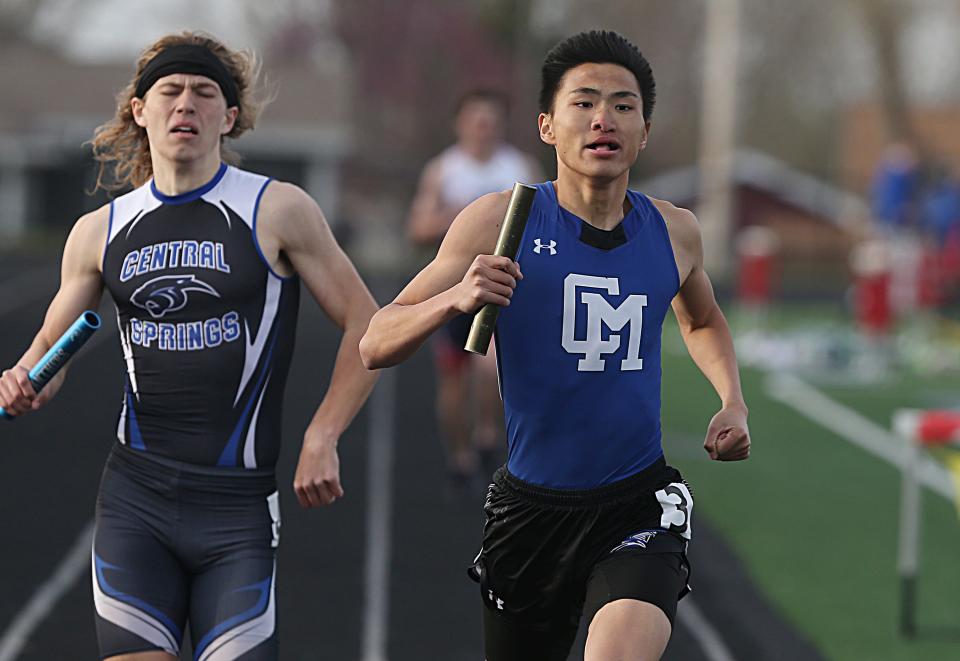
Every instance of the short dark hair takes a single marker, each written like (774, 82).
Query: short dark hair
(601, 47)
(484, 94)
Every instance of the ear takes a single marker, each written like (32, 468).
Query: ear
(646, 135)
(136, 107)
(545, 122)
(230, 120)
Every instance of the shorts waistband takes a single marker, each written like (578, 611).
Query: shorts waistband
(193, 477)
(647, 480)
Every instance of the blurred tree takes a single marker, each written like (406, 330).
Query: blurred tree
(411, 60)
(884, 21)
(798, 70)
(16, 16)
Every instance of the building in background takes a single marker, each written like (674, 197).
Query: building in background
(815, 223)
(52, 105)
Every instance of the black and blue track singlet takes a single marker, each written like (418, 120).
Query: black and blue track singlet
(207, 328)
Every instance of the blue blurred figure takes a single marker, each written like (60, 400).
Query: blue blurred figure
(940, 210)
(895, 186)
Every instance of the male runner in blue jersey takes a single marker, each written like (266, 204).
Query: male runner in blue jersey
(586, 518)
(204, 262)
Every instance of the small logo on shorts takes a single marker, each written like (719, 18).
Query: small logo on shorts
(492, 597)
(641, 539)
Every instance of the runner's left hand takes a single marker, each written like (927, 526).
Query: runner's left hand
(728, 438)
(317, 480)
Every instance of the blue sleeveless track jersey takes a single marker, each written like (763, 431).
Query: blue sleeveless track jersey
(207, 328)
(579, 347)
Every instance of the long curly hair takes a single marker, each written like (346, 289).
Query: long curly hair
(121, 147)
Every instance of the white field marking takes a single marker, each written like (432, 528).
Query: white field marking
(858, 430)
(709, 639)
(47, 595)
(376, 594)
(23, 289)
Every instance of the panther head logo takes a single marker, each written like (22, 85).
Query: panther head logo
(168, 293)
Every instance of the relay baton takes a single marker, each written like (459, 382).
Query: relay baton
(508, 243)
(64, 348)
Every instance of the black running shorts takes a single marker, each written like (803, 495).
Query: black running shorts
(550, 556)
(177, 543)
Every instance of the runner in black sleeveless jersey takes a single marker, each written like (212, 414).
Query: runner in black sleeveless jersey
(204, 262)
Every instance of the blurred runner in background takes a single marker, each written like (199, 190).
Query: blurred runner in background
(469, 411)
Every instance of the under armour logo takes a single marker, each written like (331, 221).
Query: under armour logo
(552, 246)
(495, 599)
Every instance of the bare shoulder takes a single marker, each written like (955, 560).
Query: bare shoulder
(94, 221)
(684, 231)
(433, 168)
(85, 245)
(477, 226)
(282, 198)
(91, 228)
(286, 212)
(491, 205)
(681, 223)
(428, 186)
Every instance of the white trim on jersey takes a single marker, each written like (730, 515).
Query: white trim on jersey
(239, 190)
(122, 425)
(250, 443)
(271, 302)
(132, 619)
(226, 214)
(128, 356)
(129, 209)
(244, 637)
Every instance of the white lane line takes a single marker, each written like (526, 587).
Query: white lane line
(858, 430)
(47, 595)
(376, 596)
(709, 639)
(30, 286)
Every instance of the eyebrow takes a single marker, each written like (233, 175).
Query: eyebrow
(198, 84)
(591, 90)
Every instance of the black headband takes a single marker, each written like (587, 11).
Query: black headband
(188, 58)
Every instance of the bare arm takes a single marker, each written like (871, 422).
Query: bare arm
(462, 278)
(707, 336)
(429, 218)
(294, 234)
(81, 285)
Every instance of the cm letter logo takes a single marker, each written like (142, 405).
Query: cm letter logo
(601, 313)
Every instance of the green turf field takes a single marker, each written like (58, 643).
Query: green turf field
(815, 518)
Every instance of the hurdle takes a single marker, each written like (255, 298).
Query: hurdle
(918, 429)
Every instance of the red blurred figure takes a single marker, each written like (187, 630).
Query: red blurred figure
(756, 246)
(871, 268)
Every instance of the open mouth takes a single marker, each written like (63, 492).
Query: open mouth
(184, 129)
(603, 146)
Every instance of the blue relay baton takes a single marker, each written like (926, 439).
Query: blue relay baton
(62, 350)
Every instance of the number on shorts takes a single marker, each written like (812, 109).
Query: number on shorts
(677, 505)
(273, 506)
